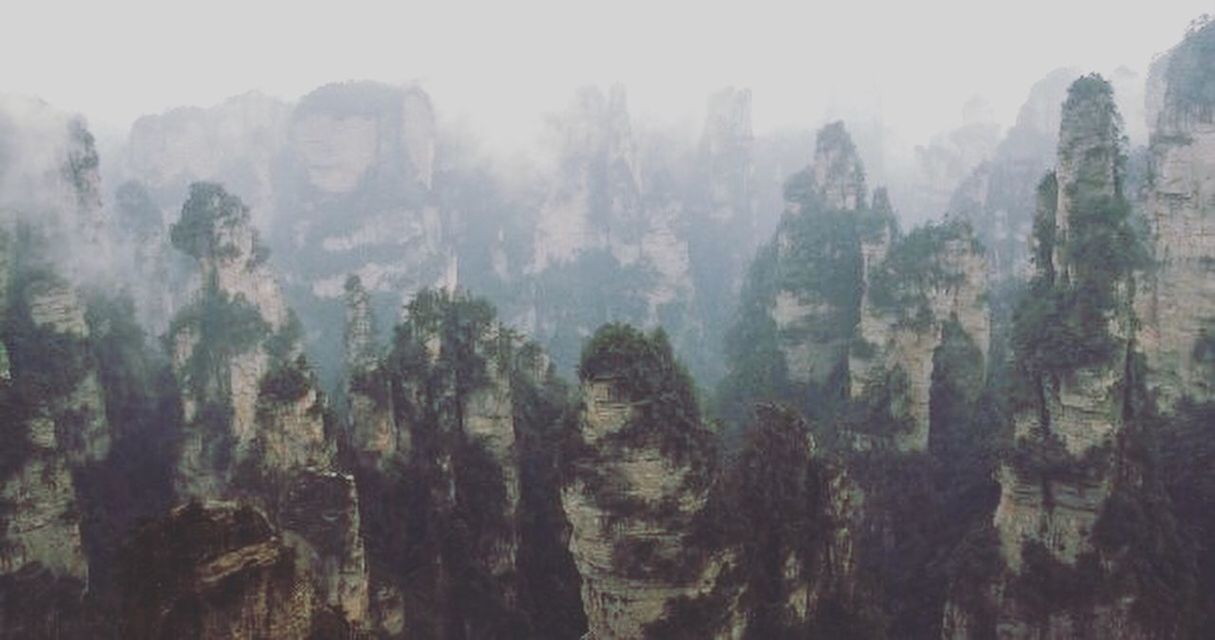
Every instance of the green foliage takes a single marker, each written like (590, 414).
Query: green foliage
(143, 414)
(823, 262)
(957, 384)
(752, 346)
(1043, 238)
(1046, 585)
(1187, 470)
(222, 327)
(286, 382)
(438, 519)
(913, 268)
(544, 413)
(769, 506)
(45, 365)
(880, 410)
(644, 367)
(1063, 324)
(575, 309)
(207, 212)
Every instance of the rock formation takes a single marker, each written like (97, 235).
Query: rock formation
(54, 412)
(434, 423)
(1074, 408)
(914, 286)
(818, 256)
(53, 183)
(357, 178)
(855, 308)
(639, 481)
(255, 426)
(236, 142)
(1177, 301)
(218, 570)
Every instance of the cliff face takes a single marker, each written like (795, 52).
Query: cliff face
(1177, 301)
(374, 436)
(235, 142)
(632, 497)
(914, 286)
(856, 309)
(1074, 408)
(358, 178)
(620, 600)
(54, 424)
(216, 571)
(1081, 411)
(596, 197)
(818, 256)
(355, 192)
(54, 412)
(434, 423)
(254, 419)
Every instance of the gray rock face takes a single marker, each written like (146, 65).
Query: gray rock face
(254, 419)
(729, 145)
(358, 178)
(234, 142)
(1177, 301)
(814, 346)
(226, 556)
(951, 288)
(375, 436)
(617, 551)
(65, 430)
(1078, 415)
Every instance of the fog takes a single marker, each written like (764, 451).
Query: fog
(499, 67)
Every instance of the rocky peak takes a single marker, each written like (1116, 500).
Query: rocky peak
(234, 142)
(594, 198)
(1074, 350)
(1090, 151)
(638, 481)
(215, 228)
(357, 134)
(727, 129)
(53, 184)
(54, 429)
(837, 170)
(360, 335)
(254, 417)
(727, 144)
(918, 288)
(1177, 303)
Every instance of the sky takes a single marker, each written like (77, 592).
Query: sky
(499, 66)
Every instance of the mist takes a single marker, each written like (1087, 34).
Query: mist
(631, 320)
(503, 67)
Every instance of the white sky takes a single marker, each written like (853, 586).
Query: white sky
(500, 65)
